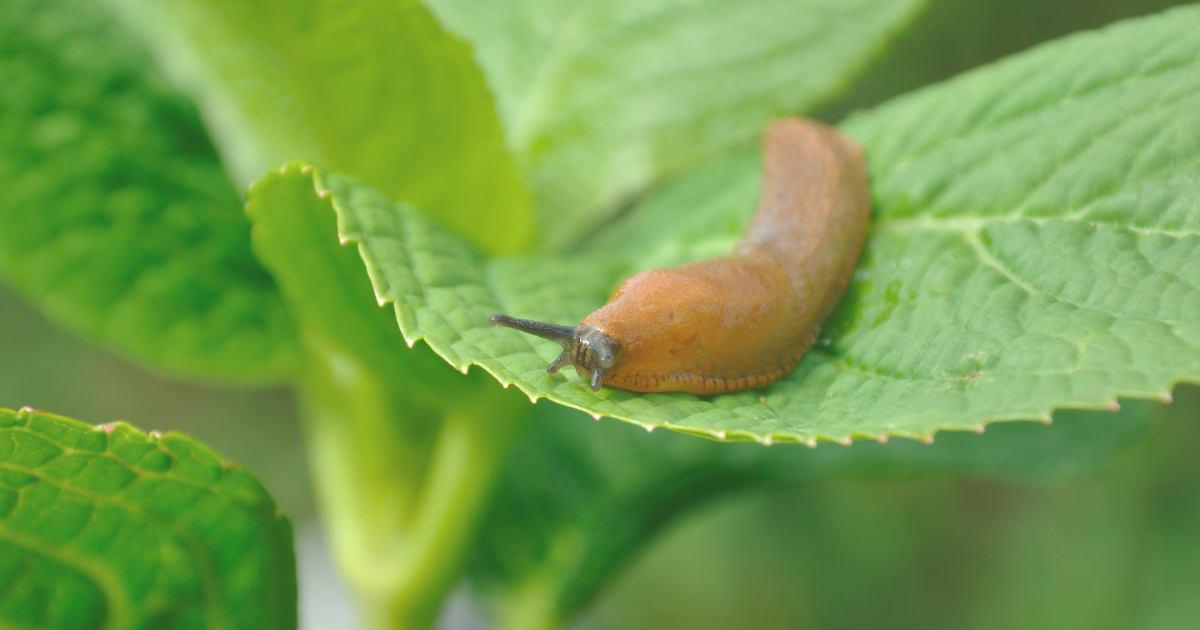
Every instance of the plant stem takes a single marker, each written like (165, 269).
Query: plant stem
(404, 449)
(400, 534)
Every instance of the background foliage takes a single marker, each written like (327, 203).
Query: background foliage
(830, 528)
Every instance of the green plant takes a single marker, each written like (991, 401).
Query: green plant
(1036, 246)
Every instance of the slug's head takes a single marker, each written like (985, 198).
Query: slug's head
(591, 351)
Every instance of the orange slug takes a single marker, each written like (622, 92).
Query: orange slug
(743, 321)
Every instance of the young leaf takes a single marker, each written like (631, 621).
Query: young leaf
(116, 215)
(580, 499)
(108, 527)
(1004, 276)
(372, 88)
(600, 99)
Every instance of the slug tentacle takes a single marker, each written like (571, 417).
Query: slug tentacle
(590, 350)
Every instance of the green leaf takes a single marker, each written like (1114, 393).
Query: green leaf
(405, 450)
(580, 499)
(372, 88)
(1037, 246)
(106, 527)
(601, 99)
(116, 216)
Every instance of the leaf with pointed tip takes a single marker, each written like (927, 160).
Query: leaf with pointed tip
(1036, 246)
(116, 215)
(106, 527)
(372, 88)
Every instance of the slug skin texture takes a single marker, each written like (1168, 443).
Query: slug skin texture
(743, 321)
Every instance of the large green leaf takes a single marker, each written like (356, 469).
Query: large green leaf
(116, 216)
(1036, 246)
(579, 499)
(600, 99)
(373, 88)
(107, 527)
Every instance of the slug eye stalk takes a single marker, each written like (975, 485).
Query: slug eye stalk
(590, 350)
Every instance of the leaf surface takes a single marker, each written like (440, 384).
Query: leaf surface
(601, 99)
(107, 527)
(1036, 246)
(374, 89)
(117, 217)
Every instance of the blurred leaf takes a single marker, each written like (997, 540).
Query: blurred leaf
(108, 527)
(600, 99)
(1037, 246)
(372, 88)
(405, 450)
(580, 499)
(117, 218)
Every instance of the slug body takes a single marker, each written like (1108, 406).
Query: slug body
(743, 321)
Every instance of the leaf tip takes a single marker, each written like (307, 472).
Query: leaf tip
(846, 441)
(720, 435)
(928, 439)
(1166, 398)
(596, 416)
(980, 428)
(1114, 406)
(811, 442)
(28, 410)
(1048, 419)
(649, 428)
(155, 435)
(767, 441)
(882, 439)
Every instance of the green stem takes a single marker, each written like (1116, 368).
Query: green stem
(404, 449)
(401, 534)
(532, 607)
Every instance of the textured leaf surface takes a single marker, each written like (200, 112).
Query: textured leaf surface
(106, 527)
(1037, 246)
(116, 215)
(600, 99)
(579, 499)
(372, 88)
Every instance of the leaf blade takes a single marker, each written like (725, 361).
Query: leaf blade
(118, 219)
(375, 89)
(937, 331)
(132, 530)
(600, 99)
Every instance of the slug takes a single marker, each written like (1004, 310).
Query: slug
(743, 321)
